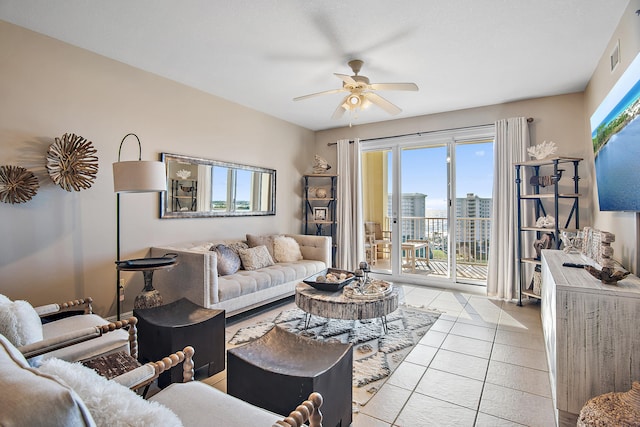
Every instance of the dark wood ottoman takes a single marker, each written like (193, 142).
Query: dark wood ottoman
(279, 369)
(169, 328)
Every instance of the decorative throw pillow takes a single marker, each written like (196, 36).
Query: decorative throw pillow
(235, 246)
(228, 260)
(20, 323)
(266, 240)
(109, 403)
(286, 249)
(255, 258)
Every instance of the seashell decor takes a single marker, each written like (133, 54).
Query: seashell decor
(17, 185)
(183, 174)
(320, 165)
(543, 150)
(72, 163)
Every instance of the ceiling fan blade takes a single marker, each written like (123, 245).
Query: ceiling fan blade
(342, 108)
(326, 92)
(382, 103)
(394, 86)
(345, 78)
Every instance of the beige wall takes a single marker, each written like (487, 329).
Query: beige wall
(558, 118)
(623, 224)
(62, 245)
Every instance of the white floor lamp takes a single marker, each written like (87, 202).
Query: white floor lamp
(135, 176)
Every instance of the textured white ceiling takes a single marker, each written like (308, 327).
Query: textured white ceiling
(262, 54)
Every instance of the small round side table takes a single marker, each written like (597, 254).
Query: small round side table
(149, 297)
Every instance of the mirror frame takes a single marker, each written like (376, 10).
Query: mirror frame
(164, 197)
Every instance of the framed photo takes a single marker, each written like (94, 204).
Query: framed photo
(320, 214)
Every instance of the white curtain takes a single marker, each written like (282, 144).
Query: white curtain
(350, 235)
(512, 140)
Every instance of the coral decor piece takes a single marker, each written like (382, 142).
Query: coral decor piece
(320, 165)
(543, 150)
(17, 185)
(546, 222)
(72, 162)
(183, 174)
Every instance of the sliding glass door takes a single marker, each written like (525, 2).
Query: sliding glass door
(427, 205)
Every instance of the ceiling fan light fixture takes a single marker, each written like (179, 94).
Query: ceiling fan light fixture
(354, 100)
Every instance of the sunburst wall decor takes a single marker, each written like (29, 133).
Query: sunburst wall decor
(72, 163)
(17, 185)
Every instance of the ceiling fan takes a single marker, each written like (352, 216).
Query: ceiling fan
(362, 93)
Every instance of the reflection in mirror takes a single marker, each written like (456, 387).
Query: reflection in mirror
(199, 187)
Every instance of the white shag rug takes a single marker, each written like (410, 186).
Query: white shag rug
(375, 354)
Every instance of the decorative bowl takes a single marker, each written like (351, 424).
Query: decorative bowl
(329, 286)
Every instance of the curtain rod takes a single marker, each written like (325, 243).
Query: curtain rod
(329, 144)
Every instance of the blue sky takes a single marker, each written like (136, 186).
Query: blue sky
(425, 171)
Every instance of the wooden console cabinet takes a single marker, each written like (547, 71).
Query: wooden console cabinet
(591, 332)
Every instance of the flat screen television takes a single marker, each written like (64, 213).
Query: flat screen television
(615, 131)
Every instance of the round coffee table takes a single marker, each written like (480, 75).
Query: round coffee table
(335, 305)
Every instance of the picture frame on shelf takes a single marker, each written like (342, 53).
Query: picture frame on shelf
(320, 214)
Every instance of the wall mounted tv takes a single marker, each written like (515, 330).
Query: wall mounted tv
(615, 131)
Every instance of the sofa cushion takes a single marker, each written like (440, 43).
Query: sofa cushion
(228, 260)
(32, 398)
(246, 282)
(266, 240)
(286, 249)
(188, 399)
(111, 342)
(255, 258)
(109, 403)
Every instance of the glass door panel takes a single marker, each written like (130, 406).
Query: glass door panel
(424, 211)
(376, 199)
(474, 185)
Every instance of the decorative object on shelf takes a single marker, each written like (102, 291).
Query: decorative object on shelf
(17, 184)
(320, 213)
(186, 189)
(542, 150)
(321, 193)
(546, 180)
(183, 174)
(544, 242)
(546, 222)
(622, 409)
(596, 245)
(572, 241)
(320, 165)
(72, 162)
(135, 176)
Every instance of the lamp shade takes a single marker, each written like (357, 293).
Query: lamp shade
(139, 176)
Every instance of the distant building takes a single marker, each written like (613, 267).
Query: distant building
(413, 205)
(474, 206)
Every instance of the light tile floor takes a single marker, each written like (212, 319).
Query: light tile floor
(483, 363)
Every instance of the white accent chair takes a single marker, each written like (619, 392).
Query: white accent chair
(67, 331)
(69, 394)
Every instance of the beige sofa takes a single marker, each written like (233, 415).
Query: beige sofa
(196, 275)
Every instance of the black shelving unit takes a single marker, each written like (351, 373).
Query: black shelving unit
(541, 203)
(314, 203)
(184, 194)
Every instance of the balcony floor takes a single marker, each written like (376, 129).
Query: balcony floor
(465, 270)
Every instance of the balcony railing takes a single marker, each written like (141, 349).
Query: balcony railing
(471, 244)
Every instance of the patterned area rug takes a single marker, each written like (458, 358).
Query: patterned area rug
(375, 354)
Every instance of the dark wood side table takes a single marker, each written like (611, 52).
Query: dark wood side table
(169, 328)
